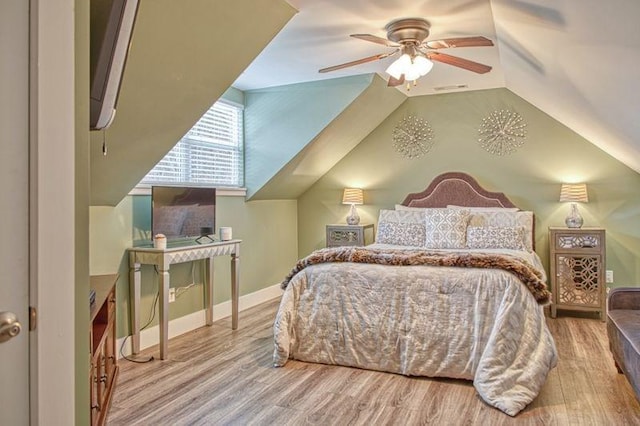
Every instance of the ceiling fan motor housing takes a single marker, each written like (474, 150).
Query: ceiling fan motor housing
(408, 30)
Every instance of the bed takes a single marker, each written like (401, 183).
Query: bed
(451, 288)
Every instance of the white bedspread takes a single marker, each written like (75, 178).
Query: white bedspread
(476, 324)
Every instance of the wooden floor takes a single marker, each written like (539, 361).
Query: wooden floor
(215, 376)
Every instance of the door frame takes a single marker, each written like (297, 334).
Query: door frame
(52, 211)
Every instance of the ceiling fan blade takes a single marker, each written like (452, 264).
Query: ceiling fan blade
(459, 42)
(358, 62)
(393, 82)
(375, 39)
(459, 62)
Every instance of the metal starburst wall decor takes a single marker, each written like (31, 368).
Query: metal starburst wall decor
(412, 137)
(502, 132)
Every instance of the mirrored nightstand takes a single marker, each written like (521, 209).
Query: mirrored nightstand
(577, 259)
(350, 235)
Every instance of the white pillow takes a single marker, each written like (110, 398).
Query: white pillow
(446, 228)
(398, 216)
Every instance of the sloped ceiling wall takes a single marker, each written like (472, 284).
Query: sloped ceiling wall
(578, 62)
(183, 56)
(341, 135)
(281, 121)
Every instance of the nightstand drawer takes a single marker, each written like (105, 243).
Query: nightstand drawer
(579, 241)
(349, 235)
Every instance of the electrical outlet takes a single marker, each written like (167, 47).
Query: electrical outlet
(609, 276)
(172, 295)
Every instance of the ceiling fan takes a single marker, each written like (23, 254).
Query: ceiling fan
(407, 36)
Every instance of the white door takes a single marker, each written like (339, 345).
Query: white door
(14, 213)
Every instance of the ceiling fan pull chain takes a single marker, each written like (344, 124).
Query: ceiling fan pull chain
(104, 142)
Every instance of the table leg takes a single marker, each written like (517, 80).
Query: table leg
(208, 293)
(134, 309)
(163, 289)
(235, 285)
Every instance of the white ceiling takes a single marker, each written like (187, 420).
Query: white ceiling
(577, 60)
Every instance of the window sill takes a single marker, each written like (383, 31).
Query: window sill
(220, 191)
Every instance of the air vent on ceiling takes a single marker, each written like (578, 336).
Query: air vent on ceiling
(451, 87)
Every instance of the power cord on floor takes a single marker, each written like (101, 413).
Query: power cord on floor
(152, 315)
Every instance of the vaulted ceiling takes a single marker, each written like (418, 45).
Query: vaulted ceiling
(577, 60)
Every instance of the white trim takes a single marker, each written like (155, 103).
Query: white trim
(220, 191)
(232, 103)
(179, 326)
(52, 213)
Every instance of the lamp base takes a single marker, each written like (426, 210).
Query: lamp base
(353, 218)
(574, 220)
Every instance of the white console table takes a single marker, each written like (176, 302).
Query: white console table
(163, 259)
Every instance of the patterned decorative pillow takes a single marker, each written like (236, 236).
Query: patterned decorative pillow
(491, 237)
(446, 228)
(404, 228)
(505, 219)
(402, 234)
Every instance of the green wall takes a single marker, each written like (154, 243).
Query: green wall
(531, 177)
(267, 253)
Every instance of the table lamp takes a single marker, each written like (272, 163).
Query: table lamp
(574, 193)
(353, 196)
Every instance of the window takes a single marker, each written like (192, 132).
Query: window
(211, 153)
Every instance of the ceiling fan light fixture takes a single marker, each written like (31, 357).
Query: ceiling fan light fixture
(408, 36)
(412, 68)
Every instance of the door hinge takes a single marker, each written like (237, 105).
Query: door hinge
(33, 318)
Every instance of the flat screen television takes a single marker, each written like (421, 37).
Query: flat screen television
(181, 212)
(112, 23)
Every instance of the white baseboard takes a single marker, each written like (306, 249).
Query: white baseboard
(151, 336)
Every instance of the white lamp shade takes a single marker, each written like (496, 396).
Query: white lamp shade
(422, 64)
(399, 66)
(411, 73)
(352, 196)
(574, 193)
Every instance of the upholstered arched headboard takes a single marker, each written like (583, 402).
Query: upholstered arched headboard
(456, 188)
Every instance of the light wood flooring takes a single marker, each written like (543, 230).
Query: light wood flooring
(216, 376)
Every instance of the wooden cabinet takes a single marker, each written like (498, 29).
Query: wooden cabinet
(349, 235)
(102, 343)
(577, 263)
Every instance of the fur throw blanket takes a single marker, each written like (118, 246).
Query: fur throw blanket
(526, 273)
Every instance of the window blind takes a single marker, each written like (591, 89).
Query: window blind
(211, 153)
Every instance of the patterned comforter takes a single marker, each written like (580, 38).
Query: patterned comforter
(470, 323)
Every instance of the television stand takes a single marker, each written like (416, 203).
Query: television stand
(163, 259)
